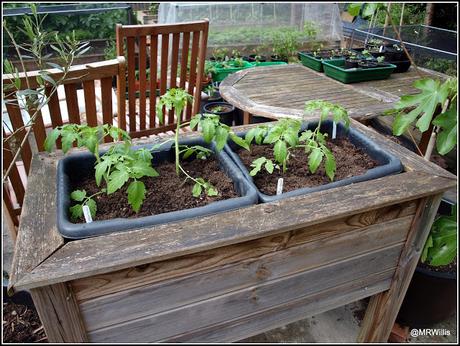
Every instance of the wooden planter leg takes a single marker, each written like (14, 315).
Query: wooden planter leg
(384, 307)
(59, 313)
(246, 118)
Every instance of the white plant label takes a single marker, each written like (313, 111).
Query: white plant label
(279, 186)
(381, 49)
(334, 130)
(87, 214)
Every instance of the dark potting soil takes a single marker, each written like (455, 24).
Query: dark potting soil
(165, 193)
(449, 268)
(21, 324)
(350, 161)
(220, 109)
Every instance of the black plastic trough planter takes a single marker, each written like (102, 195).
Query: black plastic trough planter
(389, 164)
(84, 162)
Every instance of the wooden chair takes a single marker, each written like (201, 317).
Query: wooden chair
(78, 106)
(150, 45)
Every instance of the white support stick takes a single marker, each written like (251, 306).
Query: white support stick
(334, 129)
(87, 214)
(279, 186)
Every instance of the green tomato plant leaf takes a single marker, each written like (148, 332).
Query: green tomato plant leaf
(136, 194)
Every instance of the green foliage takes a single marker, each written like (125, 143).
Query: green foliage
(257, 164)
(422, 107)
(118, 166)
(174, 99)
(441, 245)
(76, 211)
(328, 109)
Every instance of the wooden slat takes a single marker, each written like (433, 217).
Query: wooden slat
(201, 59)
(142, 81)
(192, 72)
(153, 78)
(183, 64)
(9, 217)
(131, 84)
(173, 75)
(71, 99)
(38, 220)
(170, 294)
(101, 285)
(161, 241)
(38, 128)
(106, 99)
(281, 315)
(14, 113)
(161, 29)
(248, 300)
(90, 102)
(14, 176)
(91, 71)
(55, 111)
(121, 98)
(164, 68)
(383, 308)
(59, 313)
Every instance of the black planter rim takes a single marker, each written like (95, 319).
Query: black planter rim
(393, 166)
(209, 105)
(72, 230)
(439, 275)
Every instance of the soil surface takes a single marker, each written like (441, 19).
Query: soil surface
(449, 268)
(21, 324)
(350, 161)
(165, 193)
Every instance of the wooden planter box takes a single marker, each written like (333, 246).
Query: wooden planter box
(229, 276)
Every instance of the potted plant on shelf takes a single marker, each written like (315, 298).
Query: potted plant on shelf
(224, 110)
(309, 157)
(127, 187)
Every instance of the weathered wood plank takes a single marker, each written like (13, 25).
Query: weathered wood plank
(59, 313)
(37, 236)
(249, 300)
(166, 295)
(101, 285)
(281, 315)
(103, 254)
(383, 308)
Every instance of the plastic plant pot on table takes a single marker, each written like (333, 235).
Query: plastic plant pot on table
(335, 69)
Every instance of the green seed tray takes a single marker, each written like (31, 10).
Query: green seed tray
(312, 62)
(335, 69)
(220, 73)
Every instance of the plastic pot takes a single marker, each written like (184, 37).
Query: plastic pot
(278, 58)
(388, 163)
(81, 164)
(336, 69)
(432, 296)
(226, 114)
(252, 58)
(351, 63)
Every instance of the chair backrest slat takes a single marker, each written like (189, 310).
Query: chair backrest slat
(17, 122)
(71, 99)
(142, 81)
(131, 84)
(186, 51)
(14, 188)
(192, 72)
(90, 102)
(153, 79)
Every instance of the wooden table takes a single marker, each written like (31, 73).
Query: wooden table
(225, 277)
(281, 91)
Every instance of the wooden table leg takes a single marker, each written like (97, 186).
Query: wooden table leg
(246, 118)
(384, 307)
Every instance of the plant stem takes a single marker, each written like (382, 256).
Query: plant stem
(398, 34)
(430, 147)
(176, 140)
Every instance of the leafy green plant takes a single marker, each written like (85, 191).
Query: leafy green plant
(441, 245)
(176, 99)
(380, 59)
(437, 104)
(284, 135)
(118, 166)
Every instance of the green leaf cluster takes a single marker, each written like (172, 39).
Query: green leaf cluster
(174, 99)
(423, 108)
(327, 109)
(76, 212)
(441, 245)
(121, 164)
